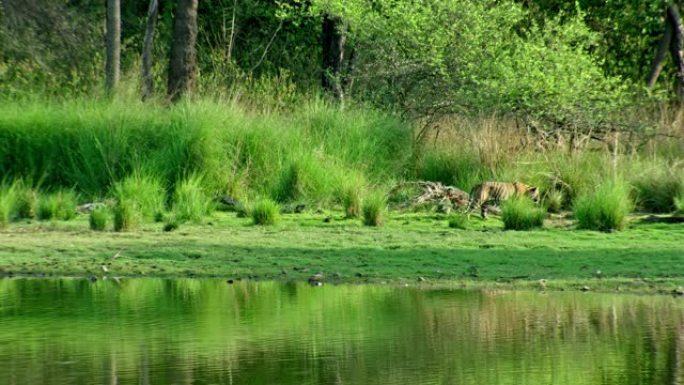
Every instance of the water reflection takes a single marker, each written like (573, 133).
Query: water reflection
(151, 331)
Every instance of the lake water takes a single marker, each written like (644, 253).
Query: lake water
(153, 331)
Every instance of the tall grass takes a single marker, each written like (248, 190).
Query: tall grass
(521, 213)
(8, 199)
(657, 187)
(605, 208)
(374, 209)
(60, 205)
(265, 212)
(351, 192)
(144, 191)
(190, 200)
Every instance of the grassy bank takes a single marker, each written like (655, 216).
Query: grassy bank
(643, 257)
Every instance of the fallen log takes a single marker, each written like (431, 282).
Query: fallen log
(433, 193)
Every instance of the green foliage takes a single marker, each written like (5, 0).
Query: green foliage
(265, 212)
(58, 206)
(521, 213)
(190, 200)
(605, 208)
(98, 219)
(172, 223)
(656, 188)
(458, 221)
(304, 179)
(374, 209)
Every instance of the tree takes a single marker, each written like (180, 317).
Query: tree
(148, 42)
(113, 64)
(183, 62)
(333, 41)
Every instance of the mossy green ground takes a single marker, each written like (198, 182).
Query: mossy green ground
(643, 257)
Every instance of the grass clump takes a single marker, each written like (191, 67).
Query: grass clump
(605, 208)
(265, 212)
(458, 221)
(99, 218)
(521, 214)
(655, 191)
(373, 210)
(60, 206)
(8, 199)
(351, 194)
(144, 191)
(127, 215)
(553, 201)
(190, 200)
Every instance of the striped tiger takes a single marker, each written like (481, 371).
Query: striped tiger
(486, 192)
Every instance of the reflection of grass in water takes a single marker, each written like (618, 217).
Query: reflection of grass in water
(210, 326)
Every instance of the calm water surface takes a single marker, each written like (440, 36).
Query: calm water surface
(153, 331)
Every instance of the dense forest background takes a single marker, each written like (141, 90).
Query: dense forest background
(544, 56)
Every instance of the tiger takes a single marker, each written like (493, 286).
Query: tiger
(487, 192)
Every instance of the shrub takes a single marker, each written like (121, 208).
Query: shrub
(265, 212)
(605, 208)
(374, 208)
(305, 178)
(655, 190)
(144, 191)
(458, 221)
(98, 219)
(60, 206)
(553, 201)
(521, 214)
(190, 201)
(127, 215)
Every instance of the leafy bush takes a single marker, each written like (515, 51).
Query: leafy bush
(99, 218)
(265, 212)
(522, 214)
(605, 208)
(374, 208)
(190, 200)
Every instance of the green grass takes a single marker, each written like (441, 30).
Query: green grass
(60, 205)
(458, 221)
(604, 209)
(127, 215)
(265, 212)
(144, 191)
(374, 209)
(522, 214)
(8, 202)
(99, 218)
(351, 196)
(408, 246)
(656, 189)
(190, 200)
(553, 201)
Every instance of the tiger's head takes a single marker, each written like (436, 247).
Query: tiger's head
(533, 192)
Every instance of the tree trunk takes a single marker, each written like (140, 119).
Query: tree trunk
(148, 43)
(113, 61)
(659, 60)
(333, 42)
(183, 63)
(676, 48)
